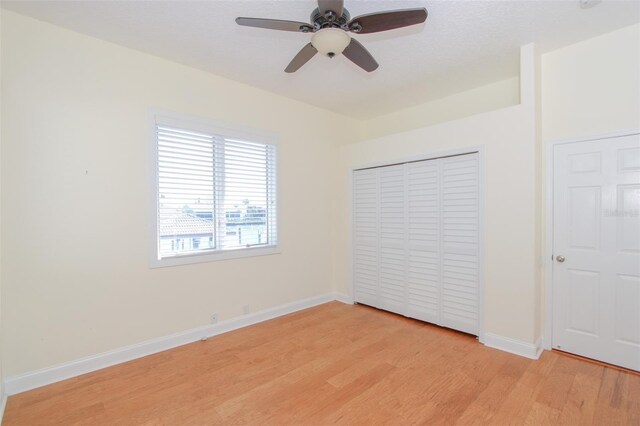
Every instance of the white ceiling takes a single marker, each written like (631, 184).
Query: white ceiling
(463, 44)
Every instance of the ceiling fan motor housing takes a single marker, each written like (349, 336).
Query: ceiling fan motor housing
(330, 20)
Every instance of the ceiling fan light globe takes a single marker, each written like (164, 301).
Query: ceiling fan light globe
(330, 41)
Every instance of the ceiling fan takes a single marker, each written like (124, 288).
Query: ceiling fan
(330, 24)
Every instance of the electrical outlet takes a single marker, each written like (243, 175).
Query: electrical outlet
(214, 318)
(246, 309)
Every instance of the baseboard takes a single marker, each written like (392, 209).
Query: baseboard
(344, 298)
(46, 376)
(3, 405)
(517, 347)
(539, 346)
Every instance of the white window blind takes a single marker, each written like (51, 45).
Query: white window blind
(215, 193)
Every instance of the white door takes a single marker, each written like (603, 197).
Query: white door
(392, 265)
(460, 243)
(365, 236)
(596, 245)
(423, 241)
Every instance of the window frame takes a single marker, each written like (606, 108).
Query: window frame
(197, 124)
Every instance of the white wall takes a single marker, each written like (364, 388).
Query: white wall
(589, 88)
(490, 97)
(593, 86)
(75, 194)
(508, 138)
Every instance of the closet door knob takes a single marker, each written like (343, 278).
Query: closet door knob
(560, 258)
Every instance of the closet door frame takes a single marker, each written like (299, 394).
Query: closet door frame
(479, 149)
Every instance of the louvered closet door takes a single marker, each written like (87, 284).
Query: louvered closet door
(416, 249)
(460, 243)
(391, 256)
(365, 211)
(423, 240)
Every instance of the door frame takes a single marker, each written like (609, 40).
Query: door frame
(549, 225)
(480, 149)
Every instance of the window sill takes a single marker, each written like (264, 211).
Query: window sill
(213, 257)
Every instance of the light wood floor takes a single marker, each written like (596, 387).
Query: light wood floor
(338, 364)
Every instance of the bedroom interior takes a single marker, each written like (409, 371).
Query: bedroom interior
(429, 215)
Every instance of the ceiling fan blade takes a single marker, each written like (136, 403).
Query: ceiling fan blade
(333, 5)
(274, 24)
(301, 58)
(383, 21)
(360, 56)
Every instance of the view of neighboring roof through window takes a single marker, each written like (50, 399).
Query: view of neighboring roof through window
(214, 193)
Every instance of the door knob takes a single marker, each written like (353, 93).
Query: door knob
(560, 258)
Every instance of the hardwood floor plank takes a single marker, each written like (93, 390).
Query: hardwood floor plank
(337, 364)
(517, 403)
(541, 415)
(491, 397)
(555, 389)
(581, 402)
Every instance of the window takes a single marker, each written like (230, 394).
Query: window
(215, 193)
